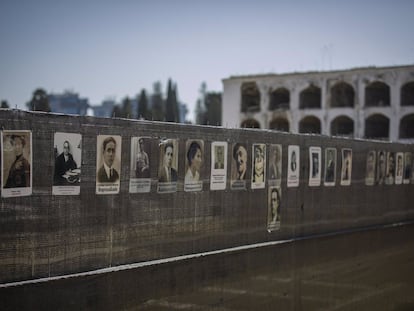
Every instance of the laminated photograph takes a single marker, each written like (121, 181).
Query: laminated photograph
(273, 210)
(275, 165)
(314, 166)
(16, 164)
(140, 169)
(390, 171)
(108, 164)
(293, 166)
(218, 176)
(346, 170)
(370, 169)
(258, 166)
(68, 160)
(193, 165)
(239, 167)
(330, 167)
(399, 171)
(381, 167)
(168, 166)
(408, 162)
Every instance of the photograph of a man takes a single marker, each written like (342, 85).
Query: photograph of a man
(346, 170)
(64, 166)
(142, 161)
(109, 159)
(273, 218)
(330, 166)
(293, 166)
(407, 167)
(275, 165)
(370, 168)
(167, 172)
(218, 177)
(219, 157)
(315, 166)
(240, 162)
(381, 167)
(239, 167)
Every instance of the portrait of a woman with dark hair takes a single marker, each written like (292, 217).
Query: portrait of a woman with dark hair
(194, 158)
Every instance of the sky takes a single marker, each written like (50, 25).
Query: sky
(113, 49)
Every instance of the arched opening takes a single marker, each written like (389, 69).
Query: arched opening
(407, 94)
(342, 126)
(377, 126)
(407, 126)
(342, 95)
(310, 124)
(279, 99)
(279, 124)
(250, 123)
(250, 97)
(377, 94)
(310, 98)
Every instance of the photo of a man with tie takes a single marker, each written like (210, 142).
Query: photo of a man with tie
(167, 172)
(107, 173)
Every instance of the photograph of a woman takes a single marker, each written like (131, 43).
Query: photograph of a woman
(194, 161)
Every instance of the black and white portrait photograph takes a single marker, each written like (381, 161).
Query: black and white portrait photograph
(346, 169)
(381, 167)
(330, 167)
(258, 166)
(399, 170)
(108, 164)
(273, 210)
(408, 162)
(314, 166)
(390, 171)
(140, 170)
(17, 170)
(293, 166)
(168, 166)
(239, 166)
(370, 168)
(275, 164)
(218, 176)
(68, 160)
(194, 162)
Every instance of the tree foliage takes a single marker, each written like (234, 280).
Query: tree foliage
(39, 101)
(158, 110)
(126, 110)
(143, 111)
(4, 104)
(172, 114)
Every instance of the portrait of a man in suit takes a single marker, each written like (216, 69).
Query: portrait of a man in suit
(107, 173)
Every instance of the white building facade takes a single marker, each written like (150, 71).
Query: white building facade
(367, 102)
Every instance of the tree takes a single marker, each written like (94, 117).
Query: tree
(117, 112)
(170, 113)
(143, 111)
(4, 104)
(39, 101)
(157, 101)
(200, 111)
(177, 104)
(126, 111)
(213, 107)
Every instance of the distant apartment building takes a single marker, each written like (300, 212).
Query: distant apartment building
(68, 103)
(372, 102)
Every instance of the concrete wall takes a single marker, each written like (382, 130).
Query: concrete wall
(43, 235)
